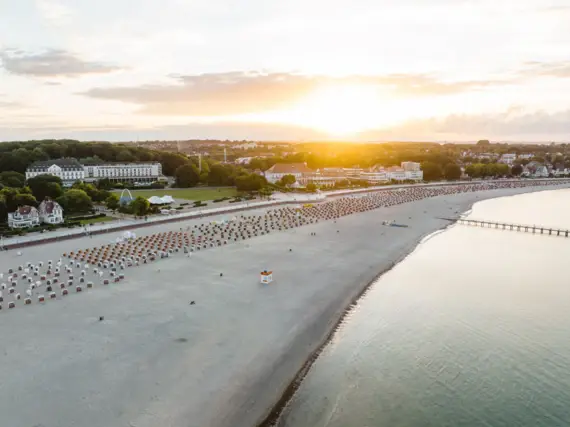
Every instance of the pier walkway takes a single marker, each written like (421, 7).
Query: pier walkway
(524, 228)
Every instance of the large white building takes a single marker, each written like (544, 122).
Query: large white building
(411, 166)
(124, 172)
(299, 170)
(24, 217)
(68, 170)
(408, 171)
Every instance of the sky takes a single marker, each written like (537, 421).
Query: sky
(363, 70)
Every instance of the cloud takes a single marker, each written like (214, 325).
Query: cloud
(560, 69)
(217, 94)
(50, 63)
(218, 130)
(511, 124)
(54, 12)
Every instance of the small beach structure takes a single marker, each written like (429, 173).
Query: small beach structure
(266, 277)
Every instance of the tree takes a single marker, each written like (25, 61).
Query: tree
(95, 194)
(452, 171)
(432, 171)
(112, 202)
(474, 170)
(12, 179)
(265, 192)
(3, 210)
(43, 186)
(104, 184)
(9, 195)
(251, 182)
(287, 180)
(140, 206)
(171, 162)
(219, 175)
(502, 169)
(75, 201)
(186, 176)
(125, 156)
(516, 170)
(311, 187)
(483, 142)
(24, 199)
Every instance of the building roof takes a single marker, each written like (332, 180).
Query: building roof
(65, 164)
(25, 210)
(48, 206)
(289, 168)
(395, 169)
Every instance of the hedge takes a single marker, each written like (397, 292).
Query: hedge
(79, 218)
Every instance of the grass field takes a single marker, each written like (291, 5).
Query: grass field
(97, 220)
(187, 193)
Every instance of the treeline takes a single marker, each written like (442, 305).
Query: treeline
(17, 156)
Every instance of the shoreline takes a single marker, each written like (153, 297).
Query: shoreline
(275, 415)
(228, 360)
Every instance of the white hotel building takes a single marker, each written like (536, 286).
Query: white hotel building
(70, 170)
(124, 172)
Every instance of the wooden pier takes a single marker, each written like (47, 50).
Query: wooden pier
(523, 228)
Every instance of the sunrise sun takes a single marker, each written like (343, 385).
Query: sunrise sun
(342, 109)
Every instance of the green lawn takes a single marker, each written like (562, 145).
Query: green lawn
(187, 193)
(97, 220)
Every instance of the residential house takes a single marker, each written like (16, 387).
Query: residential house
(243, 160)
(488, 156)
(535, 170)
(508, 159)
(50, 212)
(541, 172)
(23, 217)
(68, 170)
(245, 146)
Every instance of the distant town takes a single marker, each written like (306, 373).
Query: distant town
(50, 183)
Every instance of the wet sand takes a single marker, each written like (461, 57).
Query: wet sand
(156, 360)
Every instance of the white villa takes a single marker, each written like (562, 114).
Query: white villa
(50, 212)
(25, 216)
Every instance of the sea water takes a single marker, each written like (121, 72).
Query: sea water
(471, 329)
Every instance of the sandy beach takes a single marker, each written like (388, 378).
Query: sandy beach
(156, 360)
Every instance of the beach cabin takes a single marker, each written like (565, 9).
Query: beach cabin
(266, 277)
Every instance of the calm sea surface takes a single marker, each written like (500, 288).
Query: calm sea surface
(472, 329)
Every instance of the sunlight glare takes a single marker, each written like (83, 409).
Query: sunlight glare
(342, 110)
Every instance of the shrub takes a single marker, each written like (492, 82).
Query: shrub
(79, 218)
